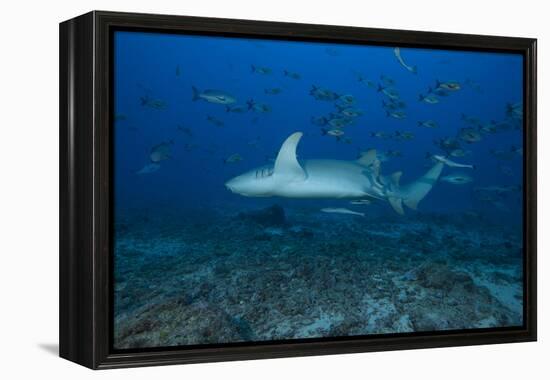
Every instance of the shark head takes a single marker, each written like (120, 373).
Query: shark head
(258, 182)
(269, 180)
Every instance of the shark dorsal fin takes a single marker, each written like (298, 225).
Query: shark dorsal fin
(395, 177)
(367, 158)
(286, 163)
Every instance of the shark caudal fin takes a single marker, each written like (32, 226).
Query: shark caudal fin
(286, 164)
(417, 190)
(196, 94)
(413, 193)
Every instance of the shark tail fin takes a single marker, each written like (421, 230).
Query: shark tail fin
(417, 190)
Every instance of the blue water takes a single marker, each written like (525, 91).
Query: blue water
(164, 67)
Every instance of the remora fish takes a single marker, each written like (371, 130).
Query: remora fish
(397, 53)
(340, 210)
(452, 164)
(332, 179)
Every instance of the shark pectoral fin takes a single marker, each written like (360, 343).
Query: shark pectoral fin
(367, 158)
(286, 164)
(397, 205)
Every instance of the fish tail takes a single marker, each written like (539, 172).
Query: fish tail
(196, 93)
(250, 103)
(414, 70)
(252, 68)
(421, 97)
(285, 72)
(380, 88)
(323, 131)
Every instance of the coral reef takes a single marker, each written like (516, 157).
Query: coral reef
(212, 277)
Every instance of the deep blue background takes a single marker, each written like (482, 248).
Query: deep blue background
(145, 63)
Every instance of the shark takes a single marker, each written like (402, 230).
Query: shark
(332, 179)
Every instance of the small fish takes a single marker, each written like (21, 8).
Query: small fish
(319, 120)
(187, 131)
(457, 179)
(469, 135)
(346, 100)
(430, 98)
(340, 210)
(450, 163)
(428, 124)
(397, 53)
(213, 96)
(366, 82)
(147, 101)
(389, 92)
(236, 157)
(447, 143)
(438, 92)
(291, 74)
(380, 135)
(149, 168)
(332, 132)
(320, 93)
(394, 105)
(260, 70)
(396, 114)
(258, 107)
(351, 112)
(514, 110)
(339, 122)
(214, 120)
(272, 91)
(404, 135)
(387, 80)
(449, 85)
(361, 202)
(239, 108)
(161, 152)
(489, 128)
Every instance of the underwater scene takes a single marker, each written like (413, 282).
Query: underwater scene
(273, 190)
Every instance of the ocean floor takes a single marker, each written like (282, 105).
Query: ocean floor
(217, 277)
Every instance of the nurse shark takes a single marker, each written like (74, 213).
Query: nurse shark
(332, 179)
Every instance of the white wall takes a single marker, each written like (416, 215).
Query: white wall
(29, 187)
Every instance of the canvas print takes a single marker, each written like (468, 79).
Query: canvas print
(274, 190)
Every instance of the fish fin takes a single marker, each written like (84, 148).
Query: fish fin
(413, 193)
(380, 88)
(286, 163)
(421, 97)
(368, 158)
(285, 72)
(253, 68)
(227, 109)
(397, 204)
(196, 93)
(395, 177)
(323, 131)
(250, 103)
(414, 70)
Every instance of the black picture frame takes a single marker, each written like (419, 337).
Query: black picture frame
(86, 315)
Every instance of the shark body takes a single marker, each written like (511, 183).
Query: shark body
(331, 179)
